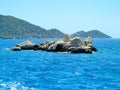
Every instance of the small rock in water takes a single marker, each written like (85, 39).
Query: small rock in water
(16, 48)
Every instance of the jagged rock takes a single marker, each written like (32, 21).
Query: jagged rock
(46, 45)
(66, 38)
(76, 42)
(89, 41)
(52, 47)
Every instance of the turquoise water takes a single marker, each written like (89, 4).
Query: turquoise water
(40, 70)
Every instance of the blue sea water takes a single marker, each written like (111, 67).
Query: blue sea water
(40, 70)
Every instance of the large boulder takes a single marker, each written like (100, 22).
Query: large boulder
(76, 42)
(62, 46)
(56, 46)
(59, 48)
(26, 45)
(66, 38)
(46, 45)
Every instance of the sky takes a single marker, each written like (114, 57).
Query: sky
(69, 16)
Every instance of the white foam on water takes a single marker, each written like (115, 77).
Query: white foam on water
(77, 73)
(14, 86)
(6, 48)
(3, 85)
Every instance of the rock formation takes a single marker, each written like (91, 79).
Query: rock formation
(68, 44)
(24, 46)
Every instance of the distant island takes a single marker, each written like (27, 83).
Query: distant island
(14, 28)
(92, 33)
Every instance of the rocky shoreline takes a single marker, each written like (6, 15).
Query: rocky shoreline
(68, 44)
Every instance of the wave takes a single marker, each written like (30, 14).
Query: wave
(13, 86)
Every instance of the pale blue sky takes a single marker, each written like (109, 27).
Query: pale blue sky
(69, 16)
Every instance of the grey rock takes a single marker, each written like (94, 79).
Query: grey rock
(26, 45)
(76, 42)
(66, 38)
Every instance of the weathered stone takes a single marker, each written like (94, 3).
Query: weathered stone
(89, 40)
(26, 45)
(66, 47)
(66, 38)
(60, 42)
(46, 45)
(59, 47)
(76, 42)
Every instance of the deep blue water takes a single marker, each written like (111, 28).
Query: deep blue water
(39, 70)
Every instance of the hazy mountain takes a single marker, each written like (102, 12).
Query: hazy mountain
(56, 33)
(92, 33)
(12, 27)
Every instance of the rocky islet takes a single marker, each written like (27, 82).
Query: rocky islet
(68, 44)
